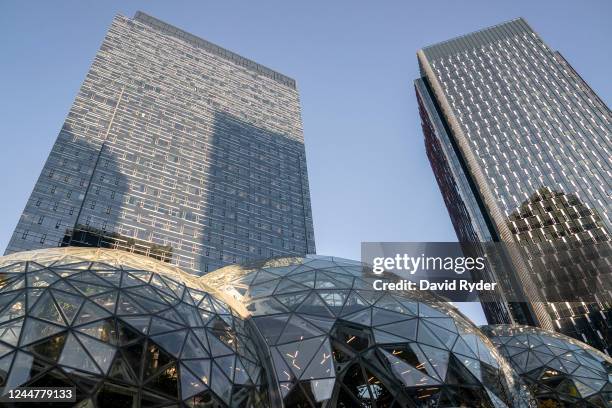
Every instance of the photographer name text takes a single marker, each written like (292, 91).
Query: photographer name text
(424, 284)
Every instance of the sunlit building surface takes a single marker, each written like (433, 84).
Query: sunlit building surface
(127, 330)
(560, 371)
(520, 146)
(177, 149)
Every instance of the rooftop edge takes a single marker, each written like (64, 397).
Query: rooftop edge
(213, 48)
(477, 38)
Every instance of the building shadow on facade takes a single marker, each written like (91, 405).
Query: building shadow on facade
(240, 194)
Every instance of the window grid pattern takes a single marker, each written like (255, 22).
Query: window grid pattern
(541, 142)
(531, 123)
(173, 151)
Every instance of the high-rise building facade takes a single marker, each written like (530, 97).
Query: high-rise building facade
(520, 146)
(177, 149)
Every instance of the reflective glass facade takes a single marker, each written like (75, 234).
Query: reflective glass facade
(465, 208)
(521, 153)
(177, 149)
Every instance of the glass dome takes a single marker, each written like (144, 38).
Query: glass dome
(560, 371)
(125, 330)
(333, 341)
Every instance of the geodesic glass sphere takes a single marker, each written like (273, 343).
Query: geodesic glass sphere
(560, 371)
(333, 341)
(125, 330)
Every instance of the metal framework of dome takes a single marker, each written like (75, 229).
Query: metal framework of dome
(333, 341)
(125, 330)
(560, 371)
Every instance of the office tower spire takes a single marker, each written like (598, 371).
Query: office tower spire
(177, 149)
(521, 149)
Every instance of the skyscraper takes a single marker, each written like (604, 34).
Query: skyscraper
(520, 146)
(177, 149)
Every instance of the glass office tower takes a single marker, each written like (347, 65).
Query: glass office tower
(177, 149)
(520, 146)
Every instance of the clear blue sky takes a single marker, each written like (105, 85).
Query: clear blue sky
(354, 62)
